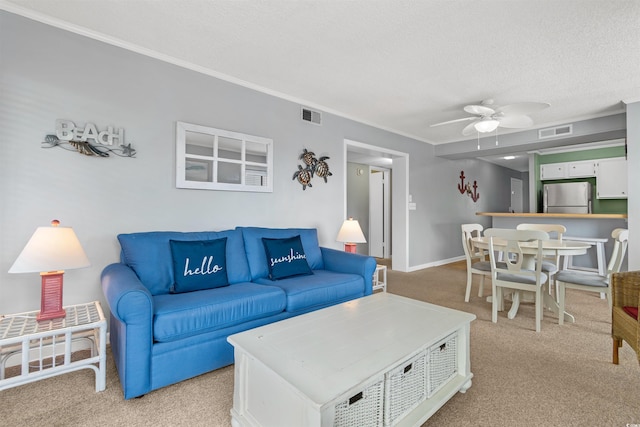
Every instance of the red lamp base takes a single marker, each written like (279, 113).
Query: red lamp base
(350, 247)
(51, 296)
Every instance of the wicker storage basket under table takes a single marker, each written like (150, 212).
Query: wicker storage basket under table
(443, 363)
(363, 409)
(406, 387)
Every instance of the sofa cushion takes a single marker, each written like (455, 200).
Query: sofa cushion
(285, 258)
(198, 264)
(179, 316)
(631, 311)
(257, 258)
(322, 288)
(149, 255)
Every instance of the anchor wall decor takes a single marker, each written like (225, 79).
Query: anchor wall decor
(466, 188)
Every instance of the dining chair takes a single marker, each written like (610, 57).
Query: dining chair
(593, 282)
(550, 263)
(521, 272)
(625, 324)
(477, 260)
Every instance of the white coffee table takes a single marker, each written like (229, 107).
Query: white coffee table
(332, 368)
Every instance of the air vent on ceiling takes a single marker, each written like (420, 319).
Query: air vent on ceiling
(555, 131)
(311, 116)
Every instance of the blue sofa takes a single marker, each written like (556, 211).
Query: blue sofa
(159, 337)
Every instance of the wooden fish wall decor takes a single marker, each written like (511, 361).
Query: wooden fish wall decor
(313, 166)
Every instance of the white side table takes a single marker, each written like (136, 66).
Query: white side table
(378, 282)
(37, 341)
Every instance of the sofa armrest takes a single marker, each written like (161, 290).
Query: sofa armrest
(346, 262)
(131, 327)
(129, 300)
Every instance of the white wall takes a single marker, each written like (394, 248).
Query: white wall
(633, 205)
(358, 200)
(48, 74)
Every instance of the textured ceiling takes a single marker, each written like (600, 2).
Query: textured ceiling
(399, 65)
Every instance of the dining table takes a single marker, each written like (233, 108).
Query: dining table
(529, 250)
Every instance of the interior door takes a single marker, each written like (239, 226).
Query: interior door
(516, 195)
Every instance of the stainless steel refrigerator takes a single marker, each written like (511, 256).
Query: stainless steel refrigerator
(569, 197)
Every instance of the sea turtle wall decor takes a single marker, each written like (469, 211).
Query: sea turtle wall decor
(304, 176)
(322, 168)
(309, 158)
(313, 166)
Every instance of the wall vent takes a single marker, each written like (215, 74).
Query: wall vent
(555, 131)
(311, 116)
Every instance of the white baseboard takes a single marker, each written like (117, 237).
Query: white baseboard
(436, 263)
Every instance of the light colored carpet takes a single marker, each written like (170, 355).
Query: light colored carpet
(562, 376)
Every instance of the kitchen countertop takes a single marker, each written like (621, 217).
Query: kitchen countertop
(553, 215)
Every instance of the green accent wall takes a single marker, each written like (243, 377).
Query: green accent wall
(599, 206)
(574, 156)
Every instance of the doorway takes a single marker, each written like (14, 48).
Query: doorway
(516, 196)
(397, 164)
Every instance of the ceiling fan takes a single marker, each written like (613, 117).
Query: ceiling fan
(488, 117)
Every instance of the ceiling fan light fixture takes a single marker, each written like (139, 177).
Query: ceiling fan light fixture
(486, 125)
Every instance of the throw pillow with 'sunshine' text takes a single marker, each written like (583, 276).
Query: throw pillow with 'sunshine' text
(199, 264)
(285, 257)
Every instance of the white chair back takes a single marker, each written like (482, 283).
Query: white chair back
(517, 273)
(621, 239)
(468, 232)
(512, 253)
(555, 230)
(476, 258)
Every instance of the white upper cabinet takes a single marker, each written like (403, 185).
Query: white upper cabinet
(583, 169)
(553, 171)
(567, 170)
(611, 178)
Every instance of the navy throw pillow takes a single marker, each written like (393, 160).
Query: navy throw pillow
(285, 257)
(199, 264)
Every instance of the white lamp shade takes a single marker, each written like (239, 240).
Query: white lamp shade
(51, 249)
(350, 232)
(486, 125)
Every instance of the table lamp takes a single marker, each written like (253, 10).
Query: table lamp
(50, 251)
(350, 233)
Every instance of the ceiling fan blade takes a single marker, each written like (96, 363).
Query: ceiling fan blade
(470, 128)
(481, 110)
(453, 121)
(522, 108)
(516, 122)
